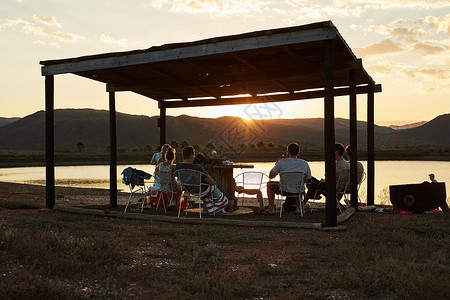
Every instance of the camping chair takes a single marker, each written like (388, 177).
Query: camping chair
(361, 177)
(134, 179)
(251, 180)
(191, 181)
(342, 184)
(291, 184)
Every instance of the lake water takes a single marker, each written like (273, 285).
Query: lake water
(386, 173)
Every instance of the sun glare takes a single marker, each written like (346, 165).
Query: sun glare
(262, 111)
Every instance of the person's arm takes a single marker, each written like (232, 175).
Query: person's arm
(308, 176)
(208, 179)
(172, 169)
(272, 174)
(160, 160)
(275, 170)
(153, 160)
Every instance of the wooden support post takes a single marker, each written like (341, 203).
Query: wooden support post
(112, 151)
(370, 146)
(162, 123)
(49, 142)
(353, 142)
(329, 135)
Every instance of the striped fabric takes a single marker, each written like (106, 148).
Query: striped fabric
(215, 200)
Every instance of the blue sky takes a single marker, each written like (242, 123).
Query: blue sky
(405, 46)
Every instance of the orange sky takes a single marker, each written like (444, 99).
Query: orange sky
(404, 45)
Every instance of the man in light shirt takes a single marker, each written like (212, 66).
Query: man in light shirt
(290, 164)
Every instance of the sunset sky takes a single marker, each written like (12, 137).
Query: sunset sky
(404, 45)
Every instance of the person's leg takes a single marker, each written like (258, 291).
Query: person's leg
(258, 194)
(260, 199)
(272, 187)
(312, 190)
(289, 203)
(217, 201)
(297, 205)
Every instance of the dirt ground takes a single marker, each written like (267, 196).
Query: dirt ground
(250, 262)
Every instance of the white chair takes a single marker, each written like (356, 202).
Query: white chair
(342, 185)
(251, 180)
(191, 181)
(342, 182)
(292, 184)
(361, 177)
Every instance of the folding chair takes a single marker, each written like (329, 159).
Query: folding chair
(361, 177)
(342, 184)
(191, 181)
(251, 180)
(291, 184)
(134, 179)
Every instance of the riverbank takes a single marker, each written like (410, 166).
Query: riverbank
(61, 255)
(9, 159)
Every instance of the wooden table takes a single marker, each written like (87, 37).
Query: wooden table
(223, 176)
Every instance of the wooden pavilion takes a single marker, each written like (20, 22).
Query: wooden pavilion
(286, 64)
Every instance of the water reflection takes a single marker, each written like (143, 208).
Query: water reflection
(386, 173)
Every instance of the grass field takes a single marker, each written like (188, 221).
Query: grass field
(56, 255)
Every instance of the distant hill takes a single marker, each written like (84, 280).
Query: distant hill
(434, 132)
(6, 121)
(92, 127)
(407, 126)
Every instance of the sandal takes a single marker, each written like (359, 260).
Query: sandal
(266, 212)
(263, 209)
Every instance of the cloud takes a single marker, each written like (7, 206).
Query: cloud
(217, 7)
(436, 73)
(425, 48)
(442, 25)
(424, 4)
(51, 44)
(49, 21)
(386, 46)
(111, 40)
(156, 3)
(383, 69)
(25, 26)
(65, 37)
(402, 32)
(33, 29)
(338, 8)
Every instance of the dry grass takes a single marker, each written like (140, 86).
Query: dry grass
(66, 256)
(408, 260)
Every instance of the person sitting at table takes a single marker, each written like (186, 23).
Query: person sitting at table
(290, 164)
(156, 160)
(158, 155)
(257, 192)
(215, 200)
(166, 174)
(317, 187)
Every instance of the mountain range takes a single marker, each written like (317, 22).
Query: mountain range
(92, 127)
